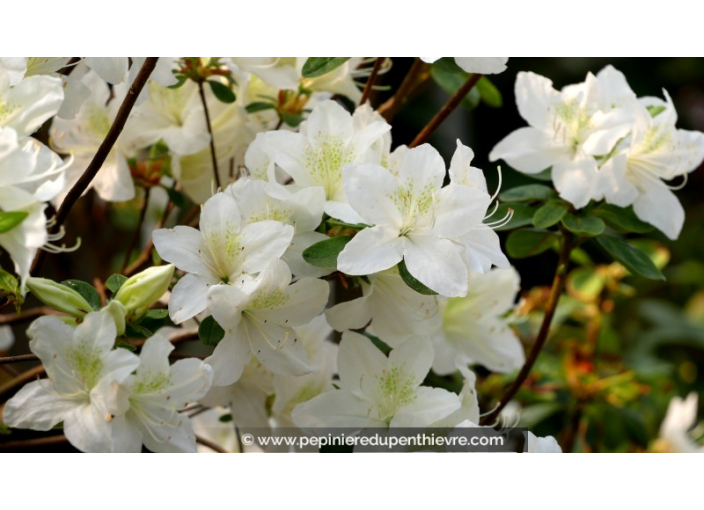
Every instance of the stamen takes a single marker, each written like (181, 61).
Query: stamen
(496, 207)
(502, 222)
(685, 178)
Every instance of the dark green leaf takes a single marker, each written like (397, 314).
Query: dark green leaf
(222, 92)
(157, 313)
(124, 345)
(379, 343)
(451, 82)
(318, 66)
(181, 80)
(10, 219)
(630, 257)
(410, 280)
(324, 254)
(86, 290)
(114, 282)
(178, 198)
(588, 226)
(259, 106)
(8, 282)
(226, 418)
(550, 214)
(448, 65)
(528, 193)
(622, 220)
(137, 331)
(522, 216)
(210, 332)
(489, 93)
(526, 243)
(292, 119)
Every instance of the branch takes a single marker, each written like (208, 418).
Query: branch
(18, 359)
(210, 131)
(446, 110)
(26, 315)
(210, 444)
(371, 80)
(558, 285)
(389, 109)
(103, 151)
(29, 443)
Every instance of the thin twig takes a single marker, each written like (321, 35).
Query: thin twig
(33, 443)
(201, 91)
(389, 109)
(26, 315)
(18, 359)
(103, 151)
(210, 444)
(372, 78)
(558, 285)
(137, 231)
(446, 110)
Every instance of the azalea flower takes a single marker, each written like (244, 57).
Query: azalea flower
(258, 319)
(157, 392)
(479, 65)
(542, 444)
(438, 232)
(675, 434)
(396, 311)
(83, 389)
(568, 129)
(475, 328)
(223, 252)
(376, 391)
(316, 155)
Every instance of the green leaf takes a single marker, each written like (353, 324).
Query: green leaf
(550, 214)
(222, 92)
(210, 332)
(622, 220)
(409, 279)
(588, 226)
(87, 292)
(448, 65)
(178, 198)
(157, 313)
(522, 216)
(526, 243)
(114, 282)
(10, 219)
(450, 82)
(630, 257)
(259, 106)
(8, 282)
(137, 331)
(225, 418)
(655, 110)
(489, 93)
(318, 66)
(324, 254)
(528, 193)
(292, 119)
(124, 345)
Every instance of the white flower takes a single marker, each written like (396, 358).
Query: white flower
(114, 69)
(674, 431)
(542, 444)
(223, 252)
(568, 129)
(83, 389)
(396, 311)
(258, 319)
(315, 156)
(376, 391)
(438, 232)
(655, 151)
(480, 65)
(474, 328)
(157, 392)
(209, 425)
(83, 135)
(302, 209)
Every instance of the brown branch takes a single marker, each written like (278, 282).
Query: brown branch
(201, 91)
(26, 315)
(138, 230)
(18, 359)
(103, 151)
(206, 442)
(389, 109)
(446, 110)
(372, 78)
(558, 286)
(32, 443)
(9, 388)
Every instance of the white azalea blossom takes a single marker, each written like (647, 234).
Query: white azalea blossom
(542, 444)
(475, 329)
(675, 435)
(396, 311)
(437, 231)
(84, 389)
(258, 319)
(479, 65)
(222, 252)
(376, 391)
(157, 392)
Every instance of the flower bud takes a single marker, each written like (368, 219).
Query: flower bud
(143, 289)
(59, 297)
(118, 311)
